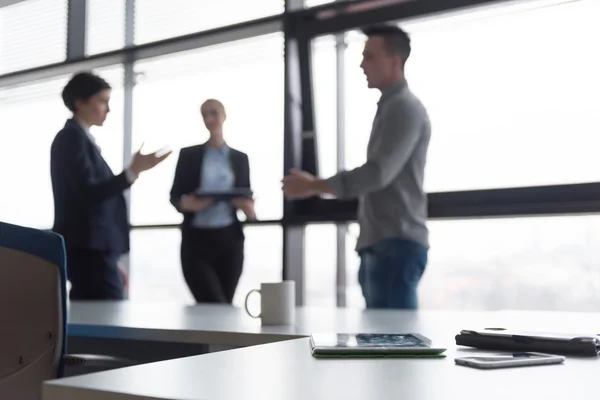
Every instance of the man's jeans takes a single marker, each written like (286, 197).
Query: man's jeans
(390, 272)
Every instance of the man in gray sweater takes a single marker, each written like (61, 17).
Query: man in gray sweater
(392, 214)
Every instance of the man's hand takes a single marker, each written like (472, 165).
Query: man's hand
(191, 203)
(299, 185)
(143, 162)
(246, 205)
(124, 276)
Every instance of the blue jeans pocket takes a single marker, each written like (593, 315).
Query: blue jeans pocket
(390, 272)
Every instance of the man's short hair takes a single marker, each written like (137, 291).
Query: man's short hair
(397, 41)
(82, 86)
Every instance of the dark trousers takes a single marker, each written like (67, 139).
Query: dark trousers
(390, 272)
(212, 262)
(94, 275)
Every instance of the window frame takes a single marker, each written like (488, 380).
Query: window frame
(300, 26)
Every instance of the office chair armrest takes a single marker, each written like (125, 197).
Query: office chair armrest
(79, 364)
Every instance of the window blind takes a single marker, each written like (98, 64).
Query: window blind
(32, 33)
(30, 116)
(21, 95)
(158, 19)
(105, 26)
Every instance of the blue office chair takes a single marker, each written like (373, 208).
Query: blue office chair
(33, 314)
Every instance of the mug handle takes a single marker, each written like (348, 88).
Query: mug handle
(246, 303)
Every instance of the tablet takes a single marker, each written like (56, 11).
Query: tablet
(372, 345)
(221, 195)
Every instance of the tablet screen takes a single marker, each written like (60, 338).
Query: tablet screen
(359, 340)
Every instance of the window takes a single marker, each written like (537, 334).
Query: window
(157, 19)
(110, 136)
(32, 33)
(510, 106)
(320, 255)
(359, 112)
(314, 3)
(324, 73)
(542, 263)
(167, 99)
(30, 117)
(156, 269)
(354, 296)
(263, 261)
(105, 26)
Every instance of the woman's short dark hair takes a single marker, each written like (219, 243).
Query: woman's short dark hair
(82, 86)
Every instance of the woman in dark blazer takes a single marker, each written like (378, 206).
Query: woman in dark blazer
(89, 206)
(212, 239)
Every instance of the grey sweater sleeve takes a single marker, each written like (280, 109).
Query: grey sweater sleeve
(393, 145)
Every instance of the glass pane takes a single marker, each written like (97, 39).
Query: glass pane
(314, 3)
(30, 117)
(32, 33)
(360, 104)
(354, 297)
(320, 257)
(545, 263)
(324, 72)
(156, 269)
(33, 114)
(167, 99)
(263, 259)
(510, 106)
(110, 136)
(105, 26)
(159, 19)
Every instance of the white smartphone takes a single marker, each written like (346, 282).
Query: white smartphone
(509, 360)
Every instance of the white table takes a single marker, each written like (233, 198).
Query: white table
(206, 324)
(286, 370)
(224, 325)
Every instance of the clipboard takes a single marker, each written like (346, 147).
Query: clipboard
(526, 341)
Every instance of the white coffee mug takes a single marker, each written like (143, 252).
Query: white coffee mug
(277, 303)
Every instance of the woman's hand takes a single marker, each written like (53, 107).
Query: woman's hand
(246, 205)
(143, 162)
(191, 203)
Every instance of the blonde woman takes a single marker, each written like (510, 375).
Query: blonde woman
(212, 246)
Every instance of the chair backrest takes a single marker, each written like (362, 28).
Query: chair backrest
(32, 310)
